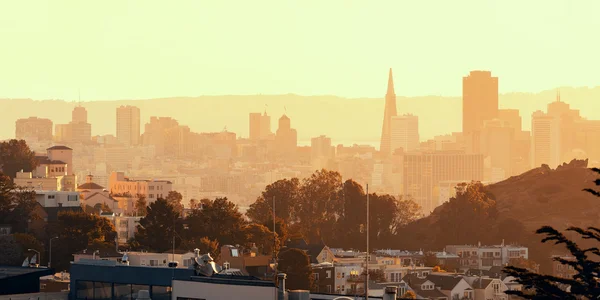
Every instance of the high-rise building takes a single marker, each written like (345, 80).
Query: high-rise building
(423, 171)
(568, 119)
(286, 137)
(545, 140)
(404, 133)
(79, 115)
(33, 128)
(480, 99)
(128, 125)
(260, 126)
(321, 151)
(498, 144)
(389, 111)
(81, 130)
(513, 118)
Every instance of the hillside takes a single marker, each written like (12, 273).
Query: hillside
(544, 196)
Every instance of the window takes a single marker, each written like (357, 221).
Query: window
(328, 272)
(316, 276)
(328, 289)
(154, 262)
(50, 196)
(136, 288)
(102, 290)
(122, 291)
(343, 276)
(161, 293)
(343, 287)
(42, 286)
(143, 263)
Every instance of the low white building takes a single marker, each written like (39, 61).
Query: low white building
(57, 198)
(223, 288)
(160, 259)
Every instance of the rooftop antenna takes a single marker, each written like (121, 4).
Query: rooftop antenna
(79, 96)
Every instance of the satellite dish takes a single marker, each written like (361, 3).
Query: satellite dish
(33, 260)
(25, 262)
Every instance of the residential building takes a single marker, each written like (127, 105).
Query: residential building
(248, 261)
(480, 99)
(404, 133)
(33, 128)
(561, 270)
(57, 198)
(348, 279)
(488, 288)
(128, 125)
(151, 189)
(545, 140)
(389, 112)
(487, 257)
(324, 277)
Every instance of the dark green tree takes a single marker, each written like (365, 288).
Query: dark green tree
(10, 252)
(141, 205)
(15, 156)
(16, 205)
(157, 229)
(28, 241)
(285, 192)
(75, 231)
(219, 220)
(583, 285)
(319, 205)
(296, 264)
(262, 237)
(174, 198)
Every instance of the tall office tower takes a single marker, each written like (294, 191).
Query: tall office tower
(545, 140)
(423, 172)
(33, 128)
(79, 115)
(568, 119)
(390, 111)
(498, 145)
(254, 126)
(81, 130)
(265, 126)
(404, 133)
(321, 151)
(513, 118)
(480, 99)
(286, 137)
(260, 126)
(128, 125)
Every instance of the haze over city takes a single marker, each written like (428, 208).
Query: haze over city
(289, 150)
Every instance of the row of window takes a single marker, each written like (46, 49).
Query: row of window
(95, 290)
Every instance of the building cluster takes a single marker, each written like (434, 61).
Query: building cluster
(491, 147)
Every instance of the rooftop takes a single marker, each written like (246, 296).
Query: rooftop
(59, 147)
(10, 271)
(90, 186)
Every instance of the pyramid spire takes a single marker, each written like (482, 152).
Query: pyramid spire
(390, 88)
(557, 95)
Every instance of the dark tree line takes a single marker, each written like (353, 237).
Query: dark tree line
(322, 208)
(586, 265)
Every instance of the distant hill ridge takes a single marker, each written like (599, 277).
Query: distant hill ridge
(343, 119)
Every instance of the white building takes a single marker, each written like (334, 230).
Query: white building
(347, 279)
(57, 198)
(219, 288)
(405, 133)
(545, 140)
(125, 226)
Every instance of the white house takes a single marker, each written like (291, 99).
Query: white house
(57, 198)
(452, 285)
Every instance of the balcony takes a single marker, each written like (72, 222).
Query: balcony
(355, 279)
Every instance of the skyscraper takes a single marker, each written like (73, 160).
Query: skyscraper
(128, 125)
(404, 133)
(480, 100)
(286, 137)
(545, 140)
(81, 130)
(260, 126)
(389, 111)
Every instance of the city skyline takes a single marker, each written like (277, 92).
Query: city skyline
(90, 49)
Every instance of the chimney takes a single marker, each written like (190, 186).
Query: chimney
(390, 293)
(281, 293)
(88, 178)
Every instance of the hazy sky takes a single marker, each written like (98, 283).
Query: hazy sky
(146, 49)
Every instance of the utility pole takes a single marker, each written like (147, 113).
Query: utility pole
(367, 257)
(274, 240)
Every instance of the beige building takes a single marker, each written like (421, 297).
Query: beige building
(545, 140)
(54, 171)
(404, 133)
(151, 189)
(128, 125)
(33, 128)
